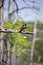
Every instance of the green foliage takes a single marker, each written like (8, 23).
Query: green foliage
(17, 39)
(40, 35)
(38, 51)
(21, 43)
(18, 24)
(8, 25)
(23, 63)
(40, 26)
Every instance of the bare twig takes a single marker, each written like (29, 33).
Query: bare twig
(33, 7)
(25, 2)
(16, 5)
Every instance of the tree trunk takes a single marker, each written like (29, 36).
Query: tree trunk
(13, 56)
(8, 48)
(9, 9)
(1, 35)
(33, 41)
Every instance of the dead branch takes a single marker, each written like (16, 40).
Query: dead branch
(16, 5)
(33, 7)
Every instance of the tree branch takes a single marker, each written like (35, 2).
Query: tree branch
(25, 2)
(15, 31)
(16, 5)
(33, 7)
